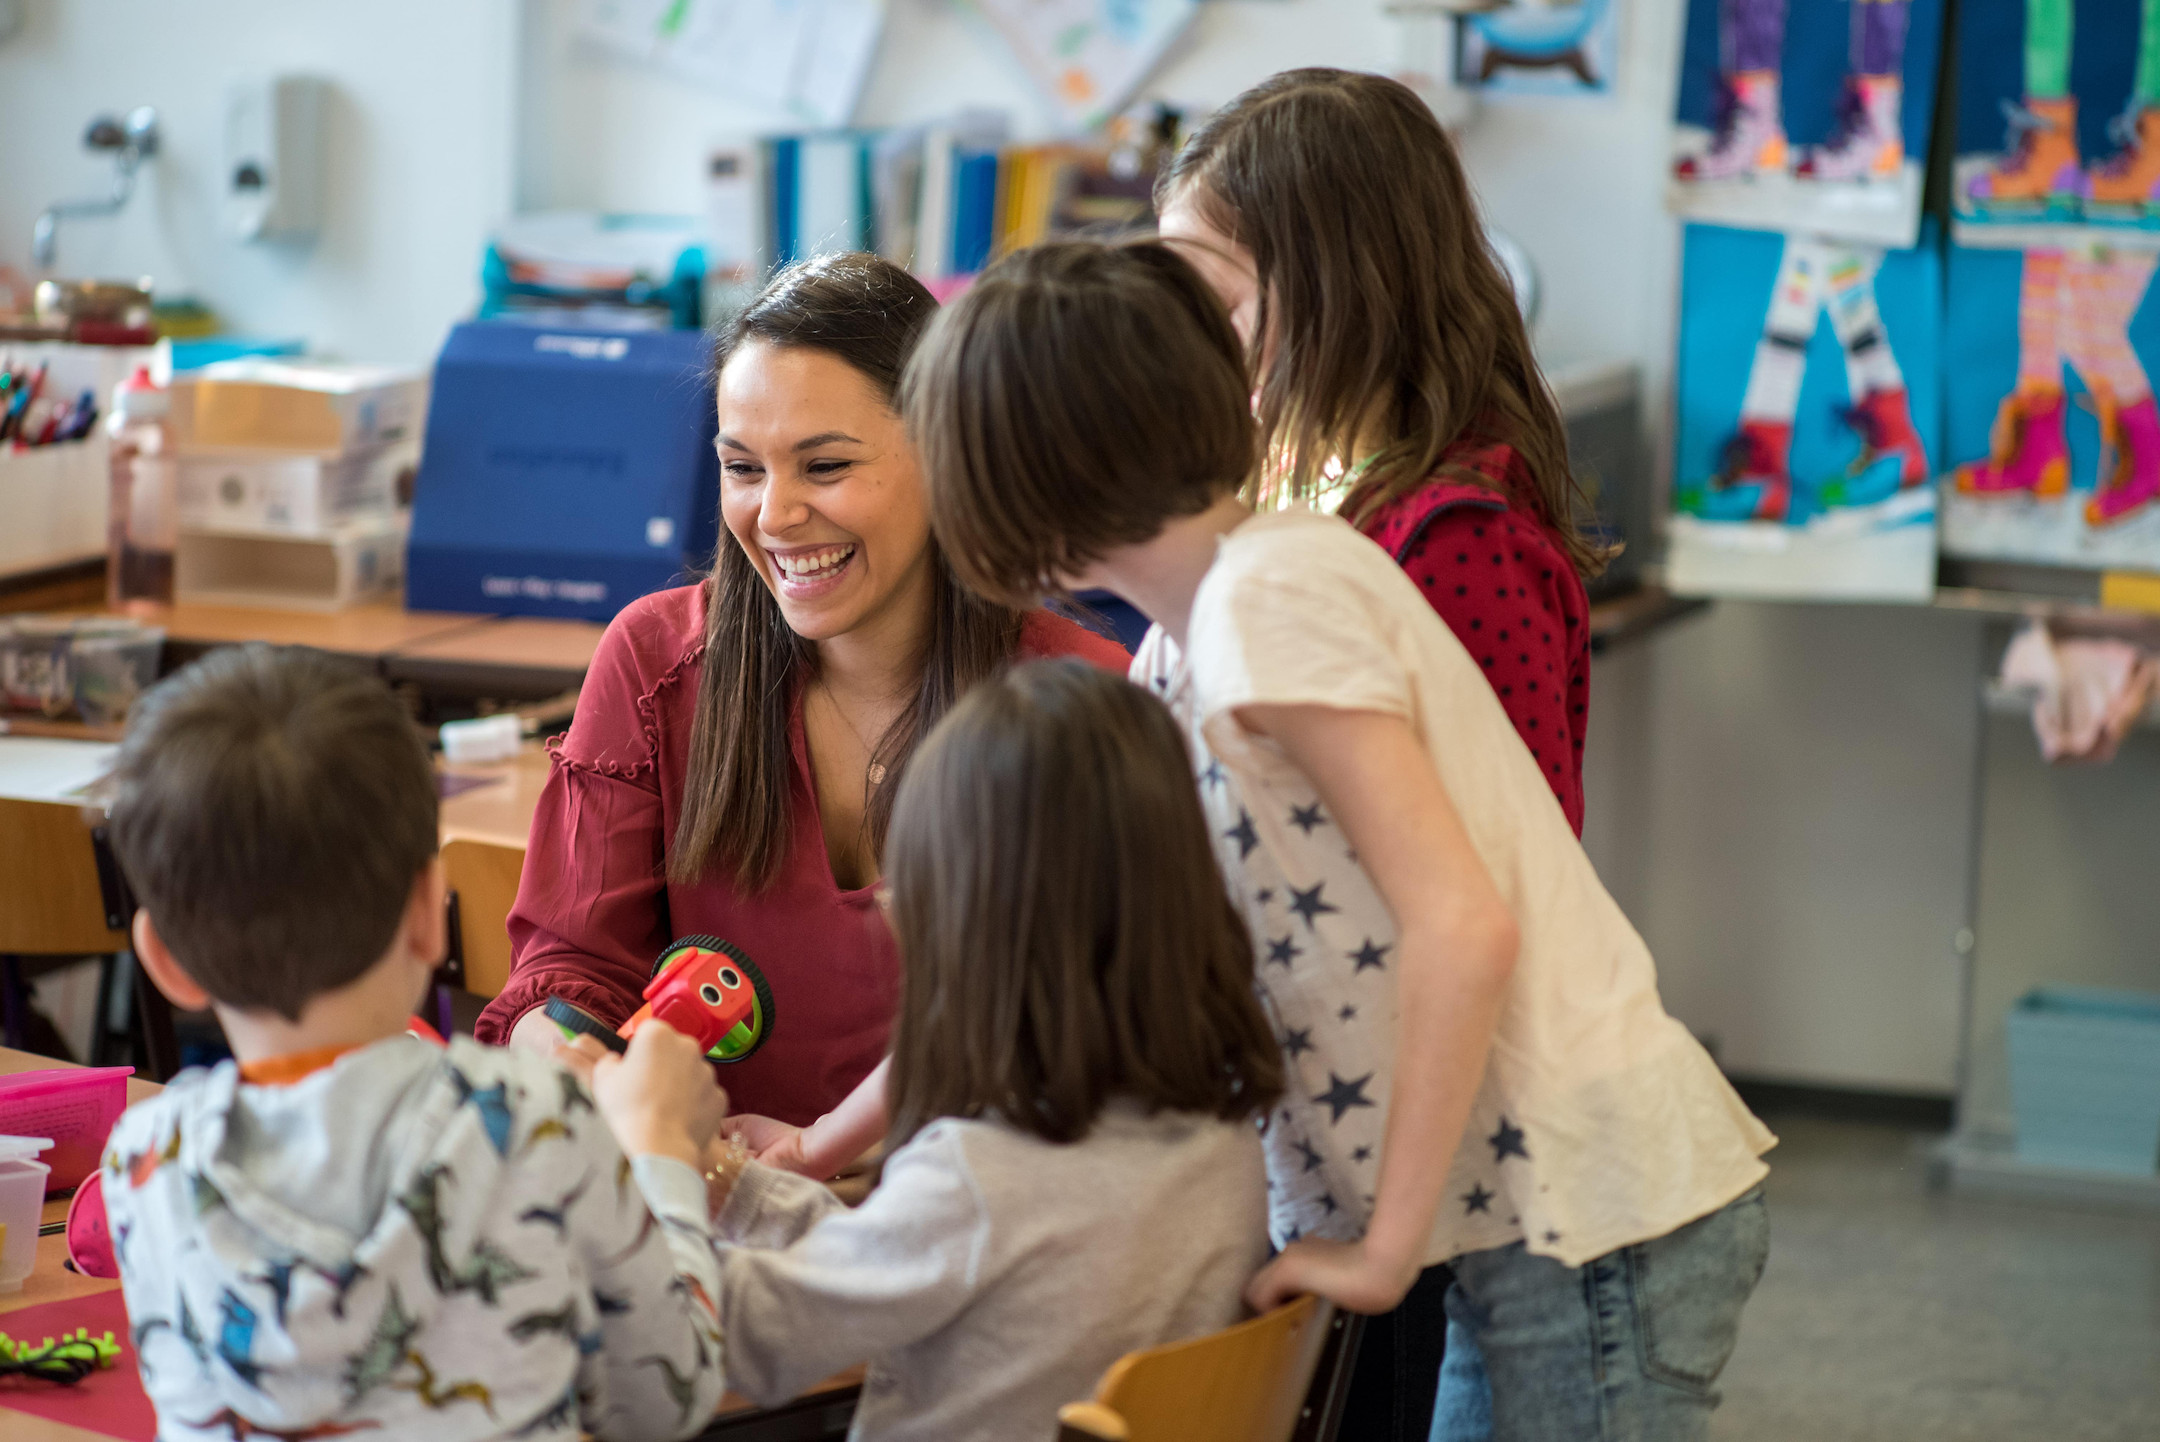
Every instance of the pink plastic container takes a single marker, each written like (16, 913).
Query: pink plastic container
(75, 1106)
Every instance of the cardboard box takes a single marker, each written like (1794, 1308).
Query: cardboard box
(258, 492)
(298, 573)
(310, 407)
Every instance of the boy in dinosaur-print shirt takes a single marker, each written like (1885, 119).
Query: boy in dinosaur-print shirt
(349, 1229)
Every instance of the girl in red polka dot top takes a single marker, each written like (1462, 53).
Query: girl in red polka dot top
(1329, 211)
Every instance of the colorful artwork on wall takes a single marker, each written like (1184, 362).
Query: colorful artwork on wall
(1807, 118)
(1808, 397)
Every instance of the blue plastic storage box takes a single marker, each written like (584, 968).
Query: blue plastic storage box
(566, 473)
(2085, 1078)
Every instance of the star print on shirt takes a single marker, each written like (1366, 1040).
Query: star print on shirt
(1477, 1199)
(1309, 1156)
(1342, 1095)
(1361, 1154)
(1348, 1013)
(1213, 775)
(1552, 1236)
(1308, 903)
(1284, 950)
(1264, 895)
(1369, 955)
(1507, 1142)
(1305, 818)
(1243, 834)
(1296, 1041)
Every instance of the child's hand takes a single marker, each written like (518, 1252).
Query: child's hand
(660, 1097)
(1342, 1272)
(772, 1143)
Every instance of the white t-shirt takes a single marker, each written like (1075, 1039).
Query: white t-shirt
(1600, 1121)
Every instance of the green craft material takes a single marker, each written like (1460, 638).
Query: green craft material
(66, 1361)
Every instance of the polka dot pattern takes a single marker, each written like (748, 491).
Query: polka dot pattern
(1506, 589)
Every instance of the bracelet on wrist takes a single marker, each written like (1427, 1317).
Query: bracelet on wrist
(720, 1179)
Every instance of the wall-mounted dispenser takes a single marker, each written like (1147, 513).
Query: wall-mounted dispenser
(273, 158)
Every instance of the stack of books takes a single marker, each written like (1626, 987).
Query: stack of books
(942, 200)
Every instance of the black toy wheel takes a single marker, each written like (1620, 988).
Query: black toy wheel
(576, 1021)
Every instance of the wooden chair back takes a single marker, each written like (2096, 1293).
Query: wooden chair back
(51, 903)
(1244, 1384)
(484, 877)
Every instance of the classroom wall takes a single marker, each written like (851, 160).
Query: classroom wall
(419, 140)
(1779, 795)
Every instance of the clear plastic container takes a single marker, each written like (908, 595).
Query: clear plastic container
(37, 665)
(22, 1206)
(112, 667)
(144, 524)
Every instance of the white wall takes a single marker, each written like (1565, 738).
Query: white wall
(609, 134)
(419, 145)
(1778, 795)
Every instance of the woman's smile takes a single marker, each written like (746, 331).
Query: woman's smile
(811, 573)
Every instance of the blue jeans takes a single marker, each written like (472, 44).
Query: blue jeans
(1626, 1348)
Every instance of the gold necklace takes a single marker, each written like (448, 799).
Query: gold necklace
(877, 768)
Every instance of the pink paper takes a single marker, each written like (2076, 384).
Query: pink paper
(111, 1400)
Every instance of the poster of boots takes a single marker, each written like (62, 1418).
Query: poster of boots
(1808, 392)
(1807, 117)
(2051, 435)
(2058, 123)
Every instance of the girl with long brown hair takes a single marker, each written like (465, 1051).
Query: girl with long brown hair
(732, 764)
(1391, 366)
(1077, 1064)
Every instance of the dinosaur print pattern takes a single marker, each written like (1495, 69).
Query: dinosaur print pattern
(455, 1266)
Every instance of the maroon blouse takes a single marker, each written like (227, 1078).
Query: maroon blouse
(594, 907)
(1507, 590)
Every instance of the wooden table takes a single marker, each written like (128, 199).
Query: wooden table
(372, 631)
(738, 1420)
(503, 656)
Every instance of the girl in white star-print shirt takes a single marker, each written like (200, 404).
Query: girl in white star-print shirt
(1479, 1067)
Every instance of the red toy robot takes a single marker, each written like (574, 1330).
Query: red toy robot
(702, 986)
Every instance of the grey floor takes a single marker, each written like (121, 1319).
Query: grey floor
(1892, 1313)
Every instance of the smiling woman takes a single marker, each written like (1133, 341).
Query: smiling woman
(738, 743)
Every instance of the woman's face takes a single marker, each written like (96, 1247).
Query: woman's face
(1223, 263)
(819, 487)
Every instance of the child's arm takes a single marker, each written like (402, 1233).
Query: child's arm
(1457, 947)
(825, 1147)
(809, 1286)
(640, 1221)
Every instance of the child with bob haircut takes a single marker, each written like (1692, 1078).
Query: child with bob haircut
(1076, 1065)
(1478, 1066)
(1328, 210)
(349, 1229)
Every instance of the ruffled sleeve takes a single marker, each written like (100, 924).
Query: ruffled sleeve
(591, 910)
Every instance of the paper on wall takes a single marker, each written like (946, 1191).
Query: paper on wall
(1090, 56)
(806, 58)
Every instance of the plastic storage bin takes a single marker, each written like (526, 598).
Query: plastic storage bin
(2085, 1079)
(94, 668)
(75, 1106)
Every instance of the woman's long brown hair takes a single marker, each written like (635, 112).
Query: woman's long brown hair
(1065, 936)
(1389, 314)
(737, 803)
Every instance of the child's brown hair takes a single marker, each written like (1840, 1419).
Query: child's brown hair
(1075, 398)
(1064, 933)
(272, 809)
(1387, 312)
